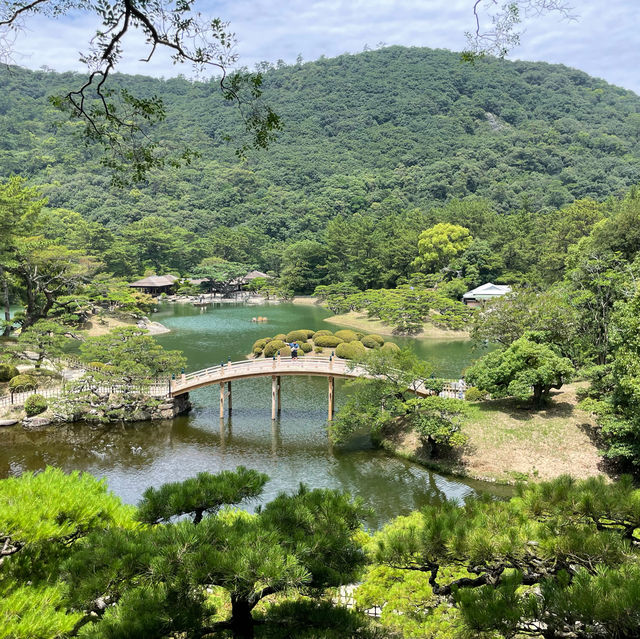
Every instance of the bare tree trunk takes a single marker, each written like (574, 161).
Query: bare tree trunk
(241, 618)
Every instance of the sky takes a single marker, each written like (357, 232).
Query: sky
(603, 39)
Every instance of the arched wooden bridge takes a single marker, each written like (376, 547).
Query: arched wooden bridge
(275, 368)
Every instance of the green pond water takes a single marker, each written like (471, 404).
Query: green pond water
(291, 450)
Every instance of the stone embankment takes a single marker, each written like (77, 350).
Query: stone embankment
(107, 409)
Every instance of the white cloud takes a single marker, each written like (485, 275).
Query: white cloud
(604, 41)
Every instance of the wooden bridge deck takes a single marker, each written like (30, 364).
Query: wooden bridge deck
(308, 365)
(276, 368)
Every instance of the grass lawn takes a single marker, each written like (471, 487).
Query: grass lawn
(510, 441)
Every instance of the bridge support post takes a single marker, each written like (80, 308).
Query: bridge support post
(221, 400)
(332, 387)
(279, 394)
(229, 396)
(274, 393)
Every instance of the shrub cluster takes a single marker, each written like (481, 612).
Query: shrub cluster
(390, 346)
(351, 350)
(299, 336)
(370, 342)
(348, 335)
(329, 341)
(273, 347)
(8, 371)
(34, 405)
(474, 394)
(349, 344)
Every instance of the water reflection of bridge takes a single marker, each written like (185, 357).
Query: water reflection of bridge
(276, 368)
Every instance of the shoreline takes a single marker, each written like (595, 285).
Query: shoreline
(360, 321)
(101, 326)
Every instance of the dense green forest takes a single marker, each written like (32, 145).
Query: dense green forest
(376, 147)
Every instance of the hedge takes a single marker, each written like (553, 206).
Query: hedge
(280, 336)
(329, 341)
(306, 347)
(273, 347)
(390, 346)
(7, 371)
(369, 342)
(377, 338)
(347, 335)
(322, 332)
(298, 336)
(21, 383)
(351, 350)
(34, 405)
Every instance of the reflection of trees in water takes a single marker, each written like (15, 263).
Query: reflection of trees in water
(82, 446)
(390, 486)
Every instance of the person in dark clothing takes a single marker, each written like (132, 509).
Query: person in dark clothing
(294, 350)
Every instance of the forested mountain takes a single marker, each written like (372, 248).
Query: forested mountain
(389, 136)
(395, 128)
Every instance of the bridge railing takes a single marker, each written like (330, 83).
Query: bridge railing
(281, 364)
(230, 368)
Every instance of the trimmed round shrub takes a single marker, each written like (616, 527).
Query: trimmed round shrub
(318, 349)
(279, 336)
(306, 347)
(369, 342)
(285, 351)
(34, 405)
(322, 332)
(8, 371)
(257, 352)
(297, 336)
(390, 346)
(21, 383)
(473, 394)
(330, 341)
(379, 339)
(351, 350)
(273, 347)
(347, 335)
(261, 343)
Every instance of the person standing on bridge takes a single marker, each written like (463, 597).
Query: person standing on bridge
(294, 350)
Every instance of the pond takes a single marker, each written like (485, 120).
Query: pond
(291, 450)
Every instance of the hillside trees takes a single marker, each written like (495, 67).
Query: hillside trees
(615, 391)
(439, 244)
(118, 118)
